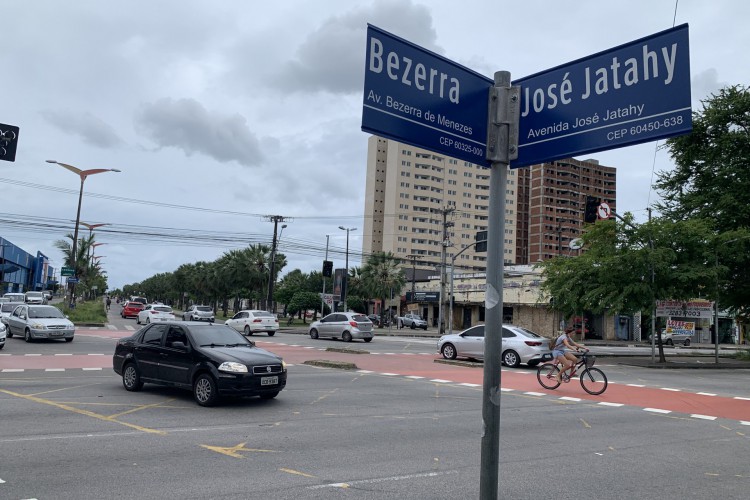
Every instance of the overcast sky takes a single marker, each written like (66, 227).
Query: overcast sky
(218, 113)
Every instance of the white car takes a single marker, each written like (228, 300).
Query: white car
(39, 322)
(35, 298)
(519, 345)
(252, 321)
(6, 309)
(153, 313)
(3, 334)
(16, 296)
(199, 313)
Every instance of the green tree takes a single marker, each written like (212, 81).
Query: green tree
(303, 301)
(382, 276)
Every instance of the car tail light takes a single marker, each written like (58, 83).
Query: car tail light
(354, 324)
(257, 320)
(154, 312)
(532, 343)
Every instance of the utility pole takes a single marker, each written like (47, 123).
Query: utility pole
(446, 243)
(323, 296)
(272, 265)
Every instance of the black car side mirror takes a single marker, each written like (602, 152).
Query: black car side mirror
(179, 345)
(252, 343)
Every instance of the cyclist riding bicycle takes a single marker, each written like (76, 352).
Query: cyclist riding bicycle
(564, 356)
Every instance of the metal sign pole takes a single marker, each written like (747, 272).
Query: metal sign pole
(502, 138)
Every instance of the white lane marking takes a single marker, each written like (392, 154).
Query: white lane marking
(415, 377)
(635, 385)
(364, 371)
(505, 389)
(112, 327)
(12, 370)
(64, 354)
(381, 480)
(441, 381)
(534, 393)
(606, 403)
(656, 410)
(92, 369)
(54, 369)
(32, 354)
(702, 417)
(390, 374)
(466, 384)
(706, 393)
(96, 354)
(742, 422)
(568, 398)
(129, 327)
(670, 389)
(741, 398)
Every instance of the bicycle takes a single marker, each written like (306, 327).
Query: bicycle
(593, 380)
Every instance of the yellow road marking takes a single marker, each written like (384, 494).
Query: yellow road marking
(585, 424)
(292, 471)
(141, 407)
(63, 389)
(81, 412)
(232, 451)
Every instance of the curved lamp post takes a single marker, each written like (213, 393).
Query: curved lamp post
(345, 283)
(82, 174)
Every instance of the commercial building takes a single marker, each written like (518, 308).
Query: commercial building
(21, 271)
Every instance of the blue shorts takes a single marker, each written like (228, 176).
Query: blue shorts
(557, 352)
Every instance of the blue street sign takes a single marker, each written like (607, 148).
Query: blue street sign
(634, 93)
(73, 280)
(417, 97)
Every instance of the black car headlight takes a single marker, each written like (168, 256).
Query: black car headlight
(232, 367)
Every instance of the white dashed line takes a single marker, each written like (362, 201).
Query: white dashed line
(635, 385)
(415, 377)
(742, 422)
(12, 370)
(505, 389)
(96, 354)
(32, 354)
(112, 327)
(606, 403)
(656, 410)
(466, 384)
(92, 369)
(54, 369)
(670, 389)
(441, 381)
(568, 398)
(364, 371)
(64, 354)
(706, 393)
(535, 393)
(390, 374)
(741, 398)
(702, 417)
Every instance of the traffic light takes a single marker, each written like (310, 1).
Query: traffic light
(592, 205)
(481, 239)
(327, 268)
(8, 142)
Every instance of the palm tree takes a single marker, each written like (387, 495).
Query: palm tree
(382, 275)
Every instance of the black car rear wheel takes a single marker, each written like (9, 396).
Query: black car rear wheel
(346, 337)
(205, 391)
(271, 334)
(313, 333)
(131, 379)
(368, 339)
(247, 330)
(687, 342)
(511, 359)
(69, 339)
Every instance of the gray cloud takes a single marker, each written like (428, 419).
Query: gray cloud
(91, 129)
(703, 85)
(185, 124)
(332, 57)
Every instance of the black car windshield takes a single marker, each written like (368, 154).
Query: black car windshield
(45, 312)
(204, 308)
(217, 335)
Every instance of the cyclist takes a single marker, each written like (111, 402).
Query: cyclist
(561, 353)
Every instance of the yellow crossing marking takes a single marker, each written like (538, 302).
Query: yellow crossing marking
(232, 451)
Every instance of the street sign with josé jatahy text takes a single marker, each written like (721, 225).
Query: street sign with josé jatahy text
(417, 97)
(67, 271)
(637, 92)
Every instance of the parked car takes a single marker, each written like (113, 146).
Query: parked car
(40, 322)
(33, 297)
(343, 325)
(209, 359)
(519, 345)
(199, 313)
(3, 334)
(671, 338)
(6, 309)
(131, 309)
(153, 313)
(16, 296)
(252, 321)
(413, 321)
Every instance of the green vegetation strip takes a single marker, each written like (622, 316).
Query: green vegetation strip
(347, 351)
(85, 312)
(343, 365)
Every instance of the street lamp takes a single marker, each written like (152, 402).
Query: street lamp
(82, 174)
(345, 281)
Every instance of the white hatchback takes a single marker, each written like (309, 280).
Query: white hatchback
(153, 313)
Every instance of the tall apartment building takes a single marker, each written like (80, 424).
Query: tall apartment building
(414, 198)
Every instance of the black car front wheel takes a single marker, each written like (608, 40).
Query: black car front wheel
(131, 379)
(449, 351)
(27, 335)
(269, 395)
(205, 391)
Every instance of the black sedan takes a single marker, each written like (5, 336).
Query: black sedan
(209, 359)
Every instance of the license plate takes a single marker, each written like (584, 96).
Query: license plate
(269, 380)
(56, 334)
(546, 357)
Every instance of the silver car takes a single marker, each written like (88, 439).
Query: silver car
(251, 321)
(39, 322)
(3, 331)
(345, 326)
(519, 345)
(6, 309)
(199, 313)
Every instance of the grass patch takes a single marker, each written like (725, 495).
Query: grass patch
(85, 312)
(743, 355)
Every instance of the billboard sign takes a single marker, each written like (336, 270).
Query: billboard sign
(417, 97)
(637, 92)
(681, 309)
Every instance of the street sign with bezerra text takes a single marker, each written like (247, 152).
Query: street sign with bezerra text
(417, 97)
(67, 271)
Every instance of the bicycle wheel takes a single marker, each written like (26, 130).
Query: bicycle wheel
(547, 376)
(593, 381)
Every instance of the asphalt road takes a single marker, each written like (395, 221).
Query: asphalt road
(399, 426)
